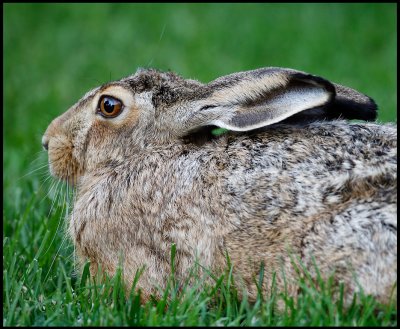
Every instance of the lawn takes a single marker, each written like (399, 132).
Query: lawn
(54, 53)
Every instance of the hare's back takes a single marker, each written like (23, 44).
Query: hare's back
(301, 170)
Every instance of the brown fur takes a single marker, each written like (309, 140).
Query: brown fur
(154, 176)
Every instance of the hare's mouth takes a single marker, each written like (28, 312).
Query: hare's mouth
(62, 163)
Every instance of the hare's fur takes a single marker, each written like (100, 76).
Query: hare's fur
(323, 190)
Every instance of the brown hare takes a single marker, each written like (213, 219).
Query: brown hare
(290, 176)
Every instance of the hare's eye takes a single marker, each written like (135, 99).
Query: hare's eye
(109, 107)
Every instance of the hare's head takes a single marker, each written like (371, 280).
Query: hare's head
(150, 107)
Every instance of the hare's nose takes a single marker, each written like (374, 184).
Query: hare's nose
(45, 143)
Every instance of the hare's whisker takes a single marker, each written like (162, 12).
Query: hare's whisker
(54, 258)
(55, 198)
(58, 226)
(41, 167)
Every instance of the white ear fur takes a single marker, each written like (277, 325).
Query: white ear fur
(273, 111)
(251, 100)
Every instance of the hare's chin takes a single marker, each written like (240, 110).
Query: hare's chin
(70, 180)
(67, 173)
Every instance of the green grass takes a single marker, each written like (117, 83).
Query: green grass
(54, 53)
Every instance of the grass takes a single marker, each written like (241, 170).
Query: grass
(54, 53)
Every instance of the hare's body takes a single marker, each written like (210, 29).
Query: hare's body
(285, 184)
(335, 202)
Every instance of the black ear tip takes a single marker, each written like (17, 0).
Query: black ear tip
(373, 108)
(351, 109)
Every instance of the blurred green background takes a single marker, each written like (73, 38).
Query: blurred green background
(54, 53)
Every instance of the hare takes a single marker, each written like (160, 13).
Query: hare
(289, 177)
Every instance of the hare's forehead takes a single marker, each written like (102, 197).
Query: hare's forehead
(91, 93)
(87, 98)
(109, 88)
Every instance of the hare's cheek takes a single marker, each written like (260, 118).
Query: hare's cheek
(62, 162)
(101, 143)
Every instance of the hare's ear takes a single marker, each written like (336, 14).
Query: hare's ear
(249, 100)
